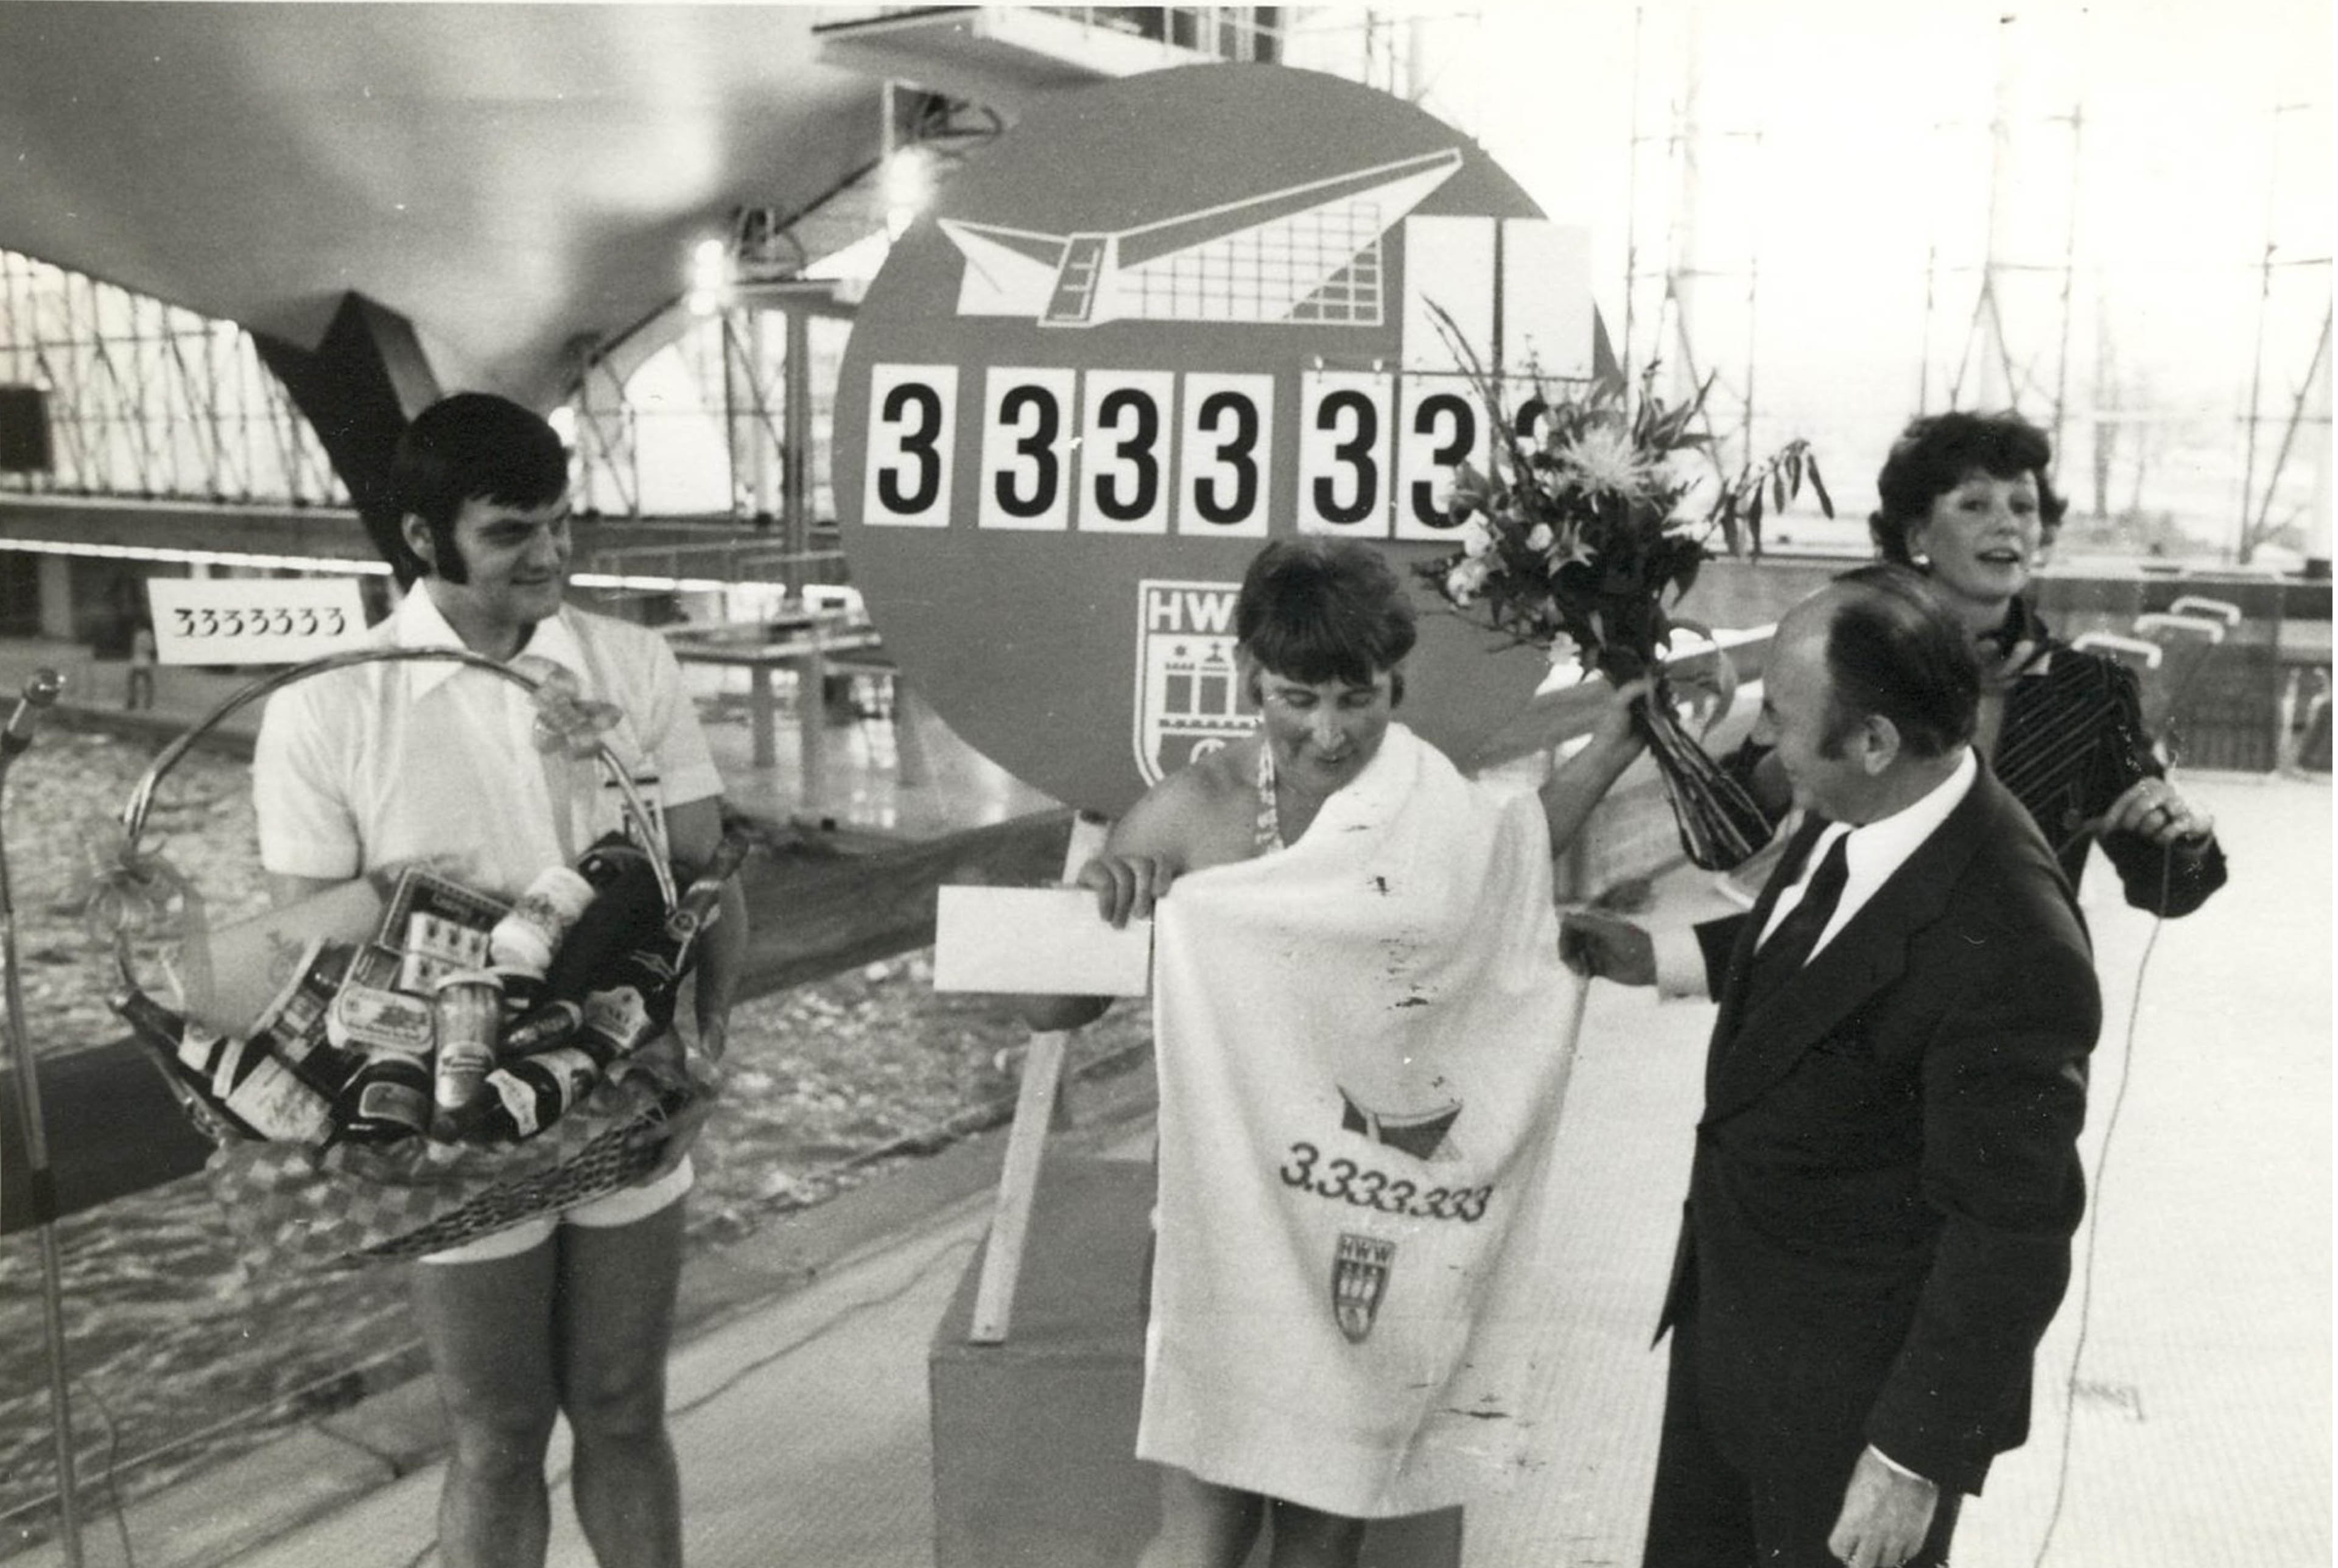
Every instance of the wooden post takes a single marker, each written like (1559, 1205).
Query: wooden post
(811, 721)
(910, 767)
(1035, 1105)
(764, 744)
(1570, 1034)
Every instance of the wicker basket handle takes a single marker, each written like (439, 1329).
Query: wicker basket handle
(141, 797)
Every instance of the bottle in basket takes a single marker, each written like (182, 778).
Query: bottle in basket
(632, 996)
(530, 1092)
(618, 962)
(527, 937)
(389, 1032)
(390, 1096)
(239, 1081)
(627, 909)
(543, 1067)
(523, 994)
(270, 1098)
(189, 1052)
(467, 1007)
(620, 1017)
(553, 1023)
(296, 1027)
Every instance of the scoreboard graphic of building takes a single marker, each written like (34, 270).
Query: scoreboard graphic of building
(1308, 253)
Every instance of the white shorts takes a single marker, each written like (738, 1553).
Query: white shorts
(605, 1212)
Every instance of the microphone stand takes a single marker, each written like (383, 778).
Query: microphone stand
(39, 692)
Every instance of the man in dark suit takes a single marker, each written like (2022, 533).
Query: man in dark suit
(1886, 1176)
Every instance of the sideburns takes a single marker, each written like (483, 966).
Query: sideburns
(447, 558)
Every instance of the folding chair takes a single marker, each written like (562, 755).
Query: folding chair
(2140, 654)
(2187, 635)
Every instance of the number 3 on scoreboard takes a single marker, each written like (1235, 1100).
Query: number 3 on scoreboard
(1437, 430)
(1027, 449)
(912, 419)
(1226, 437)
(1344, 453)
(1125, 452)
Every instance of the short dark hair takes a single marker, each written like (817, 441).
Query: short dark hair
(1316, 610)
(1895, 648)
(1935, 453)
(472, 446)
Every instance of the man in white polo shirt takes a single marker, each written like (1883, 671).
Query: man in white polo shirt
(434, 760)
(1886, 1176)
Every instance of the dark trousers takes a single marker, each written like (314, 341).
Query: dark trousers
(1752, 1504)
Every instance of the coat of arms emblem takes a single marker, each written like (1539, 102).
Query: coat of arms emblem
(1360, 1276)
(1189, 697)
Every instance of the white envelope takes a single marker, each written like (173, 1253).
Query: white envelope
(1049, 941)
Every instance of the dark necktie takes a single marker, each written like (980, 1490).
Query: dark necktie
(1788, 947)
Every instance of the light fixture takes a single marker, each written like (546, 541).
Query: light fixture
(908, 186)
(709, 276)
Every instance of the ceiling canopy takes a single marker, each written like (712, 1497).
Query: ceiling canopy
(518, 180)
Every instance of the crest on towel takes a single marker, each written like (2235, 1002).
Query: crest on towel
(1360, 1276)
(1421, 1134)
(1189, 700)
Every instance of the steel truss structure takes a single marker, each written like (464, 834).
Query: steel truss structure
(150, 401)
(2007, 320)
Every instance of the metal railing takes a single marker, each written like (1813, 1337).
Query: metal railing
(713, 563)
(1234, 33)
(1238, 32)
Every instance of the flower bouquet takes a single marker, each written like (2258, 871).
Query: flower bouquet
(1584, 538)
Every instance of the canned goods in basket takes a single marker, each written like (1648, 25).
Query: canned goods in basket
(468, 1008)
(373, 1018)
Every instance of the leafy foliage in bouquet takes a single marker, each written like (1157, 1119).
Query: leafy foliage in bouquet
(1586, 527)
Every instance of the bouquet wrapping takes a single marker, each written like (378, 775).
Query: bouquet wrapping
(1583, 537)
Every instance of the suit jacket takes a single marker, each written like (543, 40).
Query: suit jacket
(1886, 1177)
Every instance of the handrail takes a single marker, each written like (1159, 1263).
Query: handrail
(2143, 648)
(727, 560)
(2229, 612)
(756, 550)
(2212, 630)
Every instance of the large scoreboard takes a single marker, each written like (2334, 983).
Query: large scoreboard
(1162, 322)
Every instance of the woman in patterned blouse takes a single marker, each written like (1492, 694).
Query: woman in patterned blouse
(1966, 500)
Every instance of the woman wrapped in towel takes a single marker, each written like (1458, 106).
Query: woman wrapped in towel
(1359, 1012)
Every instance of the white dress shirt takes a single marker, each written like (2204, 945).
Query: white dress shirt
(387, 762)
(1875, 850)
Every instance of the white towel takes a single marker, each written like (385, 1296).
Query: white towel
(1376, 1013)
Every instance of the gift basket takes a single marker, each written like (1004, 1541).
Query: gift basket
(403, 1063)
